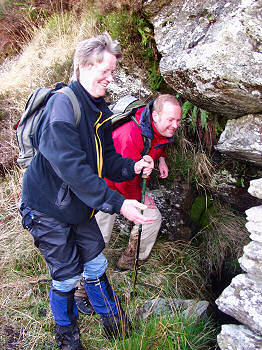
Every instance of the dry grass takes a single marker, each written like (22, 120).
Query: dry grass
(18, 21)
(19, 262)
(106, 6)
(52, 45)
(174, 269)
(188, 163)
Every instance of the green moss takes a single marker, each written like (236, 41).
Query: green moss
(201, 210)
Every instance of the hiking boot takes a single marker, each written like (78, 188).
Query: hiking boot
(84, 306)
(82, 302)
(116, 326)
(127, 259)
(68, 337)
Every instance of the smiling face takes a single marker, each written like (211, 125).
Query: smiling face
(168, 119)
(95, 77)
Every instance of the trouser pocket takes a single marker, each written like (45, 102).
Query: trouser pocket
(27, 216)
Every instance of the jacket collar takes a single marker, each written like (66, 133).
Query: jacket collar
(145, 121)
(89, 103)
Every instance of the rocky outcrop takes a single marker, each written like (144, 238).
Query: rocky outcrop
(242, 139)
(174, 204)
(225, 188)
(212, 52)
(242, 299)
(128, 84)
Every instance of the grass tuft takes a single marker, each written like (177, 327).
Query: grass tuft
(224, 237)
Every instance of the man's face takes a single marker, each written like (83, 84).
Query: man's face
(168, 120)
(95, 77)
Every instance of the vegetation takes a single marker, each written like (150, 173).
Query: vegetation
(135, 35)
(175, 269)
(202, 125)
(171, 332)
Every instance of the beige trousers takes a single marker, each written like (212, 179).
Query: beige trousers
(149, 232)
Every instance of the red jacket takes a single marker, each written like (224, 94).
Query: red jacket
(128, 142)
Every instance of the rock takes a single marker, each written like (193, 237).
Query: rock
(255, 188)
(151, 7)
(212, 52)
(234, 337)
(242, 139)
(237, 197)
(125, 84)
(161, 306)
(254, 214)
(224, 187)
(174, 204)
(255, 228)
(243, 301)
(251, 261)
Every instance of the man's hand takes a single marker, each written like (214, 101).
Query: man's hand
(163, 168)
(146, 163)
(131, 210)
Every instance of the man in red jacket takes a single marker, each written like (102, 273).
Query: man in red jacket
(157, 121)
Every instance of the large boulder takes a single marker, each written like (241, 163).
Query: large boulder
(242, 139)
(212, 52)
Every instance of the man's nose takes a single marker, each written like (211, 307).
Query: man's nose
(110, 78)
(175, 124)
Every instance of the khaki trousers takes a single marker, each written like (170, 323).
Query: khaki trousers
(149, 232)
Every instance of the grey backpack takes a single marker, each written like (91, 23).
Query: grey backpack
(32, 114)
(124, 110)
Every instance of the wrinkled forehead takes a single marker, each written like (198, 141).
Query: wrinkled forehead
(170, 110)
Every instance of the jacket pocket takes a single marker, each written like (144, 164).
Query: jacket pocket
(63, 197)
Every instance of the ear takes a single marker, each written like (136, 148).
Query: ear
(155, 117)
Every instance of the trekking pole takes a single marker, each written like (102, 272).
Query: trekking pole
(139, 238)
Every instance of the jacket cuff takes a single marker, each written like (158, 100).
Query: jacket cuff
(116, 202)
(132, 167)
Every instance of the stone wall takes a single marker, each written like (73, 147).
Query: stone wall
(242, 299)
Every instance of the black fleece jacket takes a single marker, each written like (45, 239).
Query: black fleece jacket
(65, 179)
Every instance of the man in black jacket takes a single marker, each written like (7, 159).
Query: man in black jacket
(63, 188)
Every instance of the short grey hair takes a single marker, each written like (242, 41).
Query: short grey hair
(91, 50)
(162, 99)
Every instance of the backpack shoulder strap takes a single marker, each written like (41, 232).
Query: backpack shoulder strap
(147, 145)
(146, 140)
(76, 107)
